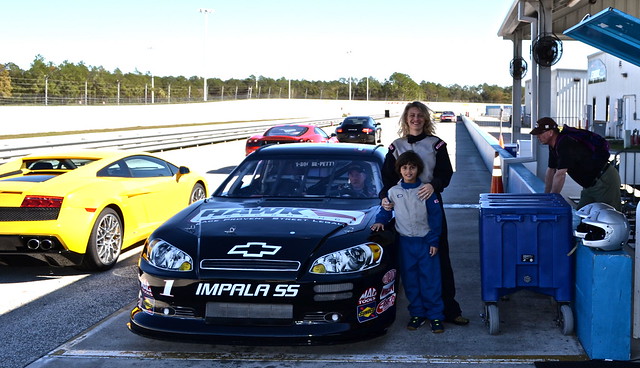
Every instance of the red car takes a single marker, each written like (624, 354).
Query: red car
(448, 116)
(289, 133)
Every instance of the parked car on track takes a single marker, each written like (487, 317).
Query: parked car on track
(359, 129)
(81, 208)
(282, 252)
(289, 133)
(448, 116)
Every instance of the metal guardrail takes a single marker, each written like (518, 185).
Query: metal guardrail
(143, 140)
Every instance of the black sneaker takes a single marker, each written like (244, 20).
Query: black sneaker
(459, 320)
(437, 326)
(415, 323)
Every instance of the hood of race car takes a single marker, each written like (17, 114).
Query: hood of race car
(270, 232)
(225, 239)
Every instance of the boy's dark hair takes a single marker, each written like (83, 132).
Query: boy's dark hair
(409, 158)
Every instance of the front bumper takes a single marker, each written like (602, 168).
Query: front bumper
(273, 313)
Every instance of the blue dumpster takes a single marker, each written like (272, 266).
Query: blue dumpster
(525, 241)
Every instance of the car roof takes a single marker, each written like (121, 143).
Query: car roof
(319, 150)
(293, 124)
(356, 117)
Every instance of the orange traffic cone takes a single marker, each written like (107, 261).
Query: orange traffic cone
(501, 141)
(496, 176)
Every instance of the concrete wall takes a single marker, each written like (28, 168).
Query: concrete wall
(38, 119)
(516, 177)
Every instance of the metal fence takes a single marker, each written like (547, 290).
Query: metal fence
(62, 92)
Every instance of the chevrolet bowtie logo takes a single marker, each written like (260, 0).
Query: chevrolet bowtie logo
(255, 249)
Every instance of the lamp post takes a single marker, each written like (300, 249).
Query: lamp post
(349, 68)
(206, 13)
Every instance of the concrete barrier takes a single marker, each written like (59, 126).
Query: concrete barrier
(516, 177)
(38, 119)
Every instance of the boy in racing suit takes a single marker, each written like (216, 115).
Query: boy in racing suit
(419, 223)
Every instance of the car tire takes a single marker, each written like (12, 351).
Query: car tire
(197, 193)
(105, 242)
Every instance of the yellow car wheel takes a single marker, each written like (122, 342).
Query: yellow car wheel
(197, 193)
(105, 242)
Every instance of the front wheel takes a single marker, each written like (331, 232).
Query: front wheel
(105, 242)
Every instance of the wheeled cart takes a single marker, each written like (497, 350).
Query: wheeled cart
(525, 243)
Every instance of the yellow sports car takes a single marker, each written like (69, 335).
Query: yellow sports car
(82, 208)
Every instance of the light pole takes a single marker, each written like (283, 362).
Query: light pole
(349, 69)
(206, 13)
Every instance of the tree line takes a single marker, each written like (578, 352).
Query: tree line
(68, 83)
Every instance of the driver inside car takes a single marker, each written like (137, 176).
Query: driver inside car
(357, 186)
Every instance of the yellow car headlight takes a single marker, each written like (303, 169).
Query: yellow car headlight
(358, 258)
(165, 256)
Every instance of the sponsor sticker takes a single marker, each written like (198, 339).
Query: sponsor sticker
(386, 303)
(367, 312)
(390, 276)
(387, 290)
(281, 213)
(368, 296)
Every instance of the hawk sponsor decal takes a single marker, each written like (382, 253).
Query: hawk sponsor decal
(386, 304)
(246, 290)
(368, 296)
(367, 312)
(280, 213)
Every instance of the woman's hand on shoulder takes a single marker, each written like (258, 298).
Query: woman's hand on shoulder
(425, 191)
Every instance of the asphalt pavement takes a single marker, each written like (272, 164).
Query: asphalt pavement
(528, 328)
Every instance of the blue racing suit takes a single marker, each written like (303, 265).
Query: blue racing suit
(419, 224)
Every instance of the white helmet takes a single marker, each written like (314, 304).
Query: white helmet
(592, 207)
(584, 212)
(605, 229)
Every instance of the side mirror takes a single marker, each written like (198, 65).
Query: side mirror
(184, 170)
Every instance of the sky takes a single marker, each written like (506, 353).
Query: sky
(447, 42)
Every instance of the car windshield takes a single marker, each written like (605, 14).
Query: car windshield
(356, 121)
(291, 131)
(295, 177)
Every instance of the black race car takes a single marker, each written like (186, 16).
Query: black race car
(281, 253)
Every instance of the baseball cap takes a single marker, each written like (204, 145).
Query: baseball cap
(356, 167)
(543, 125)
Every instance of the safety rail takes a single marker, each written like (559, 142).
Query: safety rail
(167, 139)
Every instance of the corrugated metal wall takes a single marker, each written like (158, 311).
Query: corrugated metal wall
(571, 94)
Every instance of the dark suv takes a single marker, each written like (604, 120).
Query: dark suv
(359, 129)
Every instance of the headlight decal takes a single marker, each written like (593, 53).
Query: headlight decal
(165, 256)
(358, 258)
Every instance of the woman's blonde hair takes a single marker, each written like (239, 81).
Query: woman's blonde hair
(428, 127)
